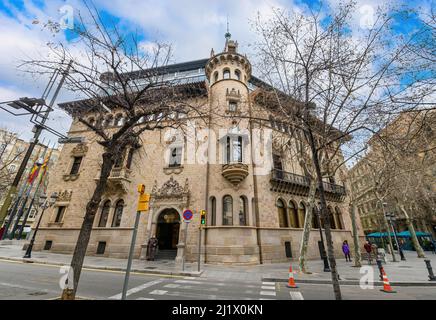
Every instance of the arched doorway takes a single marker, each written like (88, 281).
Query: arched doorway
(167, 231)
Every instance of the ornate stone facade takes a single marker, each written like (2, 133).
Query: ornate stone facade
(245, 223)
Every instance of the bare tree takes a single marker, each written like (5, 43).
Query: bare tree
(115, 74)
(9, 154)
(333, 83)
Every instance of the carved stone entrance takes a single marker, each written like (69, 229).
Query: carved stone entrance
(170, 198)
(167, 231)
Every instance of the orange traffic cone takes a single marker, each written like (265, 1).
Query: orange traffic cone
(386, 286)
(291, 282)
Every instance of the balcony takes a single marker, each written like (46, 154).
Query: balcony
(235, 172)
(291, 183)
(119, 179)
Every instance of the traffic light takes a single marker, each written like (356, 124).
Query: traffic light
(203, 217)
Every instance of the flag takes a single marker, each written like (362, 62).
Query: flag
(33, 173)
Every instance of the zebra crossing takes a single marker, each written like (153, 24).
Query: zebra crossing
(191, 288)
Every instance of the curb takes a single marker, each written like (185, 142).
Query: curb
(354, 282)
(157, 272)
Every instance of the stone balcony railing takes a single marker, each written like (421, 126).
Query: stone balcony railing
(291, 183)
(235, 172)
(119, 178)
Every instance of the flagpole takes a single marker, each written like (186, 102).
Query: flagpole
(42, 176)
(23, 205)
(19, 197)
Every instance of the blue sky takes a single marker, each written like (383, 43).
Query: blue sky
(193, 27)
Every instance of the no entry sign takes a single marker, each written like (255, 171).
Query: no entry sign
(187, 215)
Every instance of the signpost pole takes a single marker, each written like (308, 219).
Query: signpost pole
(186, 240)
(129, 262)
(199, 248)
(143, 202)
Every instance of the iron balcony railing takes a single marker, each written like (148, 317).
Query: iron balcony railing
(281, 176)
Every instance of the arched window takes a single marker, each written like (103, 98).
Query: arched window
(99, 122)
(339, 218)
(116, 221)
(212, 211)
(242, 211)
(293, 214)
(331, 218)
(109, 120)
(226, 74)
(315, 222)
(119, 121)
(281, 210)
(104, 214)
(215, 76)
(238, 74)
(301, 215)
(227, 211)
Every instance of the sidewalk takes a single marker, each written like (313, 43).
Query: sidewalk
(412, 272)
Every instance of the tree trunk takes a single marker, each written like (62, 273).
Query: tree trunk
(391, 246)
(415, 241)
(307, 226)
(357, 256)
(85, 231)
(325, 215)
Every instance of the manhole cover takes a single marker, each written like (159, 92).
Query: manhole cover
(38, 293)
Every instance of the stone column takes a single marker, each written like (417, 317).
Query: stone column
(182, 242)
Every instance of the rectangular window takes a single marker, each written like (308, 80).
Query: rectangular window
(60, 213)
(129, 158)
(232, 106)
(101, 247)
(76, 165)
(48, 244)
(176, 157)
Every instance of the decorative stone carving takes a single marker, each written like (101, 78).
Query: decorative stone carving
(64, 196)
(70, 177)
(170, 188)
(80, 150)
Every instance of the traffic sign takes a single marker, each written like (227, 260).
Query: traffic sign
(187, 214)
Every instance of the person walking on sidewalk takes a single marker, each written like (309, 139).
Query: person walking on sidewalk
(346, 250)
(368, 249)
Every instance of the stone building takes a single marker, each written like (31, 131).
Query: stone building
(12, 151)
(413, 135)
(255, 212)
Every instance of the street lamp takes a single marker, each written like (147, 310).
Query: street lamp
(391, 218)
(44, 203)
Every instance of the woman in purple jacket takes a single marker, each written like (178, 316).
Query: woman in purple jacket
(346, 250)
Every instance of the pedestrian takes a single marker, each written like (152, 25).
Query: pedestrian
(433, 246)
(346, 250)
(368, 249)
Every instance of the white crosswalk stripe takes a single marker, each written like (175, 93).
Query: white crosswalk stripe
(296, 295)
(136, 289)
(267, 293)
(159, 292)
(268, 288)
(141, 298)
(266, 283)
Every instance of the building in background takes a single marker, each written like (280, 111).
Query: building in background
(12, 151)
(402, 157)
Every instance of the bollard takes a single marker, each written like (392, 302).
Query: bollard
(430, 271)
(380, 268)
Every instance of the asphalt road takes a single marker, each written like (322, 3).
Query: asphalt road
(39, 281)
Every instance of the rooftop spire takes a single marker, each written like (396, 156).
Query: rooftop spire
(227, 35)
